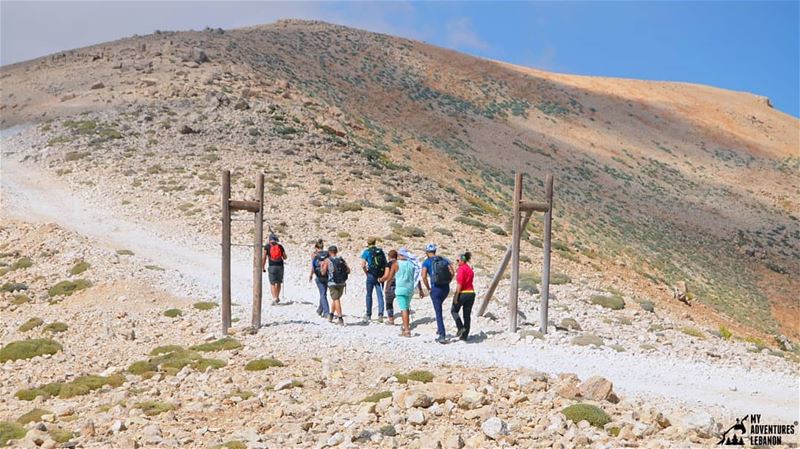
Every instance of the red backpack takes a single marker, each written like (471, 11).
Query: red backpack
(275, 253)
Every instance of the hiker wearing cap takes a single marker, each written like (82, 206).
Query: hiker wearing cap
(274, 254)
(440, 272)
(373, 263)
(404, 275)
(319, 255)
(337, 272)
(464, 296)
(388, 282)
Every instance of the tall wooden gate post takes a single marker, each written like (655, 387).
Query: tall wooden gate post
(258, 253)
(515, 241)
(226, 251)
(548, 219)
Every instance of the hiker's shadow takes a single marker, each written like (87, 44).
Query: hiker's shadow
(288, 322)
(287, 303)
(358, 323)
(421, 321)
(481, 337)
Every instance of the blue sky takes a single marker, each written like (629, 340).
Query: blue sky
(750, 46)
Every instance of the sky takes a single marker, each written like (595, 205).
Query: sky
(751, 46)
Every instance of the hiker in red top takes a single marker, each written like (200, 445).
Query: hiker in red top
(464, 295)
(274, 254)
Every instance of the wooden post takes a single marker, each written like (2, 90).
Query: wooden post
(226, 252)
(258, 253)
(501, 270)
(548, 218)
(515, 240)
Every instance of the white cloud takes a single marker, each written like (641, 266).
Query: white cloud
(460, 34)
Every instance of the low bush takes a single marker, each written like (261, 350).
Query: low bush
(56, 327)
(67, 288)
(589, 413)
(417, 375)
(31, 324)
(223, 344)
(34, 416)
(153, 408)
(27, 349)
(79, 268)
(172, 313)
(612, 302)
(11, 431)
(262, 364)
(377, 396)
(204, 305)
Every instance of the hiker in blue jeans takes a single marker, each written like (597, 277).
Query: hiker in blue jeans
(441, 272)
(373, 262)
(317, 257)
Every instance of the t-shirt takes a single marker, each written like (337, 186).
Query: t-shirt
(404, 278)
(464, 277)
(278, 262)
(389, 265)
(428, 264)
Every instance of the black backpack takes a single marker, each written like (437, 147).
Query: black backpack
(376, 261)
(337, 269)
(440, 271)
(318, 259)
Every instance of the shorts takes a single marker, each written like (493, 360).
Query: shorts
(336, 291)
(404, 302)
(275, 274)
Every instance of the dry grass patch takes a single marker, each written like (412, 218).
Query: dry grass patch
(28, 349)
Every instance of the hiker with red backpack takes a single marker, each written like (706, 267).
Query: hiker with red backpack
(440, 272)
(317, 257)
(336, 270)
(373, 262)
(274, 255)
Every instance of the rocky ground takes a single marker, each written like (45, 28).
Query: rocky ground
(328, 394)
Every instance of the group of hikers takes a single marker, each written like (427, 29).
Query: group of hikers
(393, 277)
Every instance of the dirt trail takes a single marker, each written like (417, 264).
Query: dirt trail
(32, 195)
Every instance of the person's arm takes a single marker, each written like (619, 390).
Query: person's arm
(364, 262)
(425, 278)
(459, 287)
(283, 252)
(311, 275)
(348, 267)
(387, 274)
(452, 270)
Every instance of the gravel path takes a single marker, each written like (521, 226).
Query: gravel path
(33, 195)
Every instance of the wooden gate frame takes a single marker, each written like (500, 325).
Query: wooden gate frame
(257, 208)
(512, 253)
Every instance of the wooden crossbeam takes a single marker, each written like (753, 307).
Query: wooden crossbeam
(249, 206)
(527, 206)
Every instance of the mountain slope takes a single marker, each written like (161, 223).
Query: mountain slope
(655, 182)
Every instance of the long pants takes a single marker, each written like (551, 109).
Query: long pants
(373, 284)
(438, 295)
(323, 297)
(390, 295)
(465, 300)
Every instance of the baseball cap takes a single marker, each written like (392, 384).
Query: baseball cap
(371, 240)
(430, 248)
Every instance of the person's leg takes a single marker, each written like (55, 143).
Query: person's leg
(437, 298)
(379, 288)
(454, 309)
(468, 303)
(390, 295)
(406, 322)
(323, 298)
(370, 286)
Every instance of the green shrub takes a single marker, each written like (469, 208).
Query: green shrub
(223, 344)
(417, 375)
(20, 299)
(609, 302)
(79, 268)
(30, 394)
(204, 305)
(141, 367)
(27, 349)
(153, 408)
(470, 222)
(647, 306)
(67, 288)
(158, 350)
(10, 431)
(56, 327)
(262, 364)
(60, 436)
(498, 230)
(725, 333)
(585, 412)
(31, 324)
(124, 252)
(24, 262)
(377, 396)
(350, 207)
(172, 313)
(204, 364)
(527, 283)
(34, 415)
(697, 333)
(443, 231)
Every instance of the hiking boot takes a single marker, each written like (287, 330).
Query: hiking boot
(276, 301)
(340, 322)
(380, 319)
(464, 337)
(366, 318)
(319, 311)
(460, 332)
(441, 339)
(330, 318)
(390, 321)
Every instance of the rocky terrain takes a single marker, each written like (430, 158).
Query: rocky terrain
(110, 224)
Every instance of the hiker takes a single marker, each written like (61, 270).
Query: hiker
(275, 254)
(337, 272)
(373, 263)
(389, 286)
(318, 256)
(464, 295)
(403, 274)
(440, 271)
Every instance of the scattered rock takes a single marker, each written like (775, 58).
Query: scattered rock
(598, 388)
(416, 416)
(199, 55)
(97, 85)
(186, 129)
(587, 339)
(494, 428)
(571, 324)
